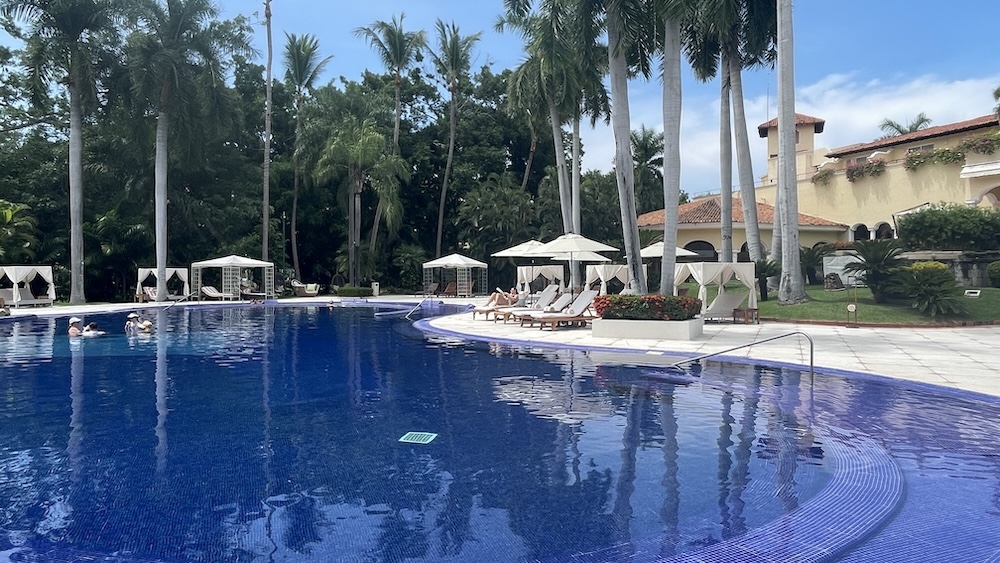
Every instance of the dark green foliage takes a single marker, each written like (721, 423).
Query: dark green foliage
(993, 271)
(878, 261)
(765, 269)
(933, 291)
(812, 262)
(951, 227)
(647, 307)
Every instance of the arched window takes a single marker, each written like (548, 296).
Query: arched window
(704, 249)
(861, 232)
(884, 231)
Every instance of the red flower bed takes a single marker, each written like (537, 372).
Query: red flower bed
(647, 307)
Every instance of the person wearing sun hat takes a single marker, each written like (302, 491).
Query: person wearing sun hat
(74, 326)
(132, 324)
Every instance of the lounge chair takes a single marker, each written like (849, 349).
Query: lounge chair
(305, 289)
(7, 297)
(450, 290)
(544, 299)
(212, 293)
(558, 306)
(576, 314)
(27, 298)
(485, 310)
(721, 308)
(431, 288)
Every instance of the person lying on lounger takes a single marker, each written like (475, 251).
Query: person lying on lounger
(502, 298)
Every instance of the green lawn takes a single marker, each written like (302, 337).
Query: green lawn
(832, 306)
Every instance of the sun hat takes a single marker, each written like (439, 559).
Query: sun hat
(74, 320)
(132, 316)
(146, 323)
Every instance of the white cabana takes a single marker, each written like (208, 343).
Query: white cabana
(608, 272)
(553, 273)
(718, 273)
(466, 280)
(181, 273)
(655, 250)
(20, 276)
(232, 267)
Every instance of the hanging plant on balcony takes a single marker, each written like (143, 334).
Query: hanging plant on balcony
(823, 177)
(854, 172)
(874, 168)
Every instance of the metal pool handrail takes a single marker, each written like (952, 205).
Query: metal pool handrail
(755, 342)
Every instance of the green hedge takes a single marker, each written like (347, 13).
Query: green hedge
(993, 271)
(647, 307)
(951, 227)
(351, 291)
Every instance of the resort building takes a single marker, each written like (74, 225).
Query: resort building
(858, 191)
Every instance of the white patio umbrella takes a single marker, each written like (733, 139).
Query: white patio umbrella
(585, 256)
(571, 243)
(655, 250)
(523, 249)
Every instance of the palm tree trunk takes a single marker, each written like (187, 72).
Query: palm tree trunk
(266, 219)
(531, 154)
(725, 164)
(565, 196)
(354, 228)
(621, 126)
(744, 166)
(575, 197)
(76, 295)
(671, 150)
(791, 288)
(295, 188)
(453, 117)
(160, 200)
(380, 207)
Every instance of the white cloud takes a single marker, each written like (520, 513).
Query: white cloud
(852, 108)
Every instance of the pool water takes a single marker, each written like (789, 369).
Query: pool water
(272, 433)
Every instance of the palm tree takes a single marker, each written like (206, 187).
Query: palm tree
(671, 13)
(895, 129)
(647, 154)
(360, 150)
(266, 207)
(452, 59)
(791, 288)
(397, 49)
(877, 262)
(66, 39)
(996, 97)
(302, 67)
(17, 232)
(176, 62)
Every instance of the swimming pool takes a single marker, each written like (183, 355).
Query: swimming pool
(258, 433)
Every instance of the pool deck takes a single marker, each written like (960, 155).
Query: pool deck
(961, 358)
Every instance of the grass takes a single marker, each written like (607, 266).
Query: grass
(832, 306)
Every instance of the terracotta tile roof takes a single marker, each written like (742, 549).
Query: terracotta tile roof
(928, 133)
(708, 210)
(800, 119)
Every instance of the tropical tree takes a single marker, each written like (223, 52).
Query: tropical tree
(878, 260)
(397, 49)
(358, 149)
(791, 287)
(996, 97)
(266, 207)
(647, 155)
(452, 59)
(17, 232)
(176, 59)
(671, 14)
(64, 43)
(894, 129)
(302, 67)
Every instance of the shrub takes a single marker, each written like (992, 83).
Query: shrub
(854, 172)
(351, 291)
(823, 177)
(647, 307)
(929, 265)
(993, 271)
(875, 168)
(879, 260)
(933, 290)
(983, 144)
(811, 259)
(950, 227)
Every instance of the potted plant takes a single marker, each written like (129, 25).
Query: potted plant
(664, 317)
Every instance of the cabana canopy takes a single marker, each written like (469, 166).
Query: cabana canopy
(181, 273)
(708, 273)
(232, 266)
(19, 275)
(527, 274)
(608, 272)
(463, 266)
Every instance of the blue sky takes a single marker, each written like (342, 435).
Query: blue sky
(856, 62)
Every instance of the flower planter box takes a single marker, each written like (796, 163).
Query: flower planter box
(654, 330)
